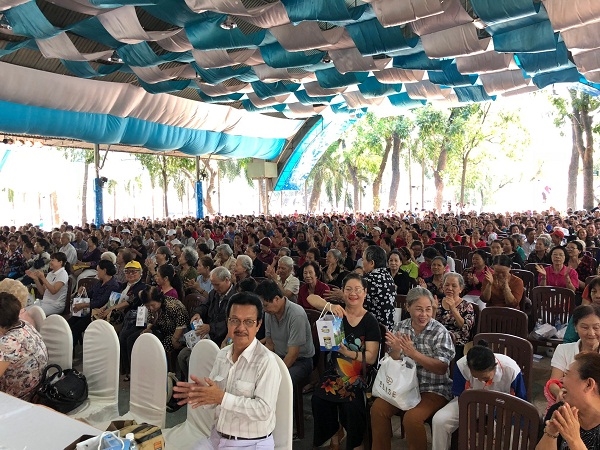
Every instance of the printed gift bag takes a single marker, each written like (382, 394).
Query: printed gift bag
(82, 298)
(397, 383)
(331, 331)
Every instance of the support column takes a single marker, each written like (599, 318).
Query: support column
(199, 195)
(98, 185)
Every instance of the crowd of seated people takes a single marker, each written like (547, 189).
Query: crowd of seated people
(313, 260)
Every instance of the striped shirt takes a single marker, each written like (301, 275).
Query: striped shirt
(436, 342)
(251, 386)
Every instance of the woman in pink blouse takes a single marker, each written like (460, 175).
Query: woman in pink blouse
(559, 274)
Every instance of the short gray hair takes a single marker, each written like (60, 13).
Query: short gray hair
(190, 255)
(225, 248)
(285, 250)
(246, 262)
(337, 255)
(286, 261)
(221, 273)
(545, 239)
(458, 276)
(416, 293)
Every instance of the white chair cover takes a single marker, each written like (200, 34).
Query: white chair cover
(284, 415)
(58, 338)
(38, 315)
(148, 394)
(101, 352)
(200, 420)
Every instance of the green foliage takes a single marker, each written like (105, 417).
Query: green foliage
(81, 155)
(230, 169)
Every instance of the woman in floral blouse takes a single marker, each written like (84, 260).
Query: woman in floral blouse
(338, 402)
(23, 354)
(454, 313)
(584, 265)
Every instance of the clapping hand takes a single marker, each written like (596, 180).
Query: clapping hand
(540, 269)
(566, 422)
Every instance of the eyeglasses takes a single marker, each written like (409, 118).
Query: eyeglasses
(131, 271)
(357, 290)
(235, 322)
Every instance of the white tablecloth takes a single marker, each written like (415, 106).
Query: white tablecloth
(24, 426)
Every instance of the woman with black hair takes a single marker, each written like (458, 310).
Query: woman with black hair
(500, 287)
(575, 424)
(481, 368)
(53, 286)
(99, 295)
(168, 318)
(168, 282)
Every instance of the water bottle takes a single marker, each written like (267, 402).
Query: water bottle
(558, 324)
(538, 324)
(131, 439)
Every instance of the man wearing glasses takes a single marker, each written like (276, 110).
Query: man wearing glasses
(242, 385)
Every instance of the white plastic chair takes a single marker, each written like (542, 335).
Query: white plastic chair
(284, 416)
(101, 352)
(58, 338)
(200, 420)
(38, 316)
(148, 394)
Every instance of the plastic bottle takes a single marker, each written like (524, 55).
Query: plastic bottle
(558, 324)
(131, 438)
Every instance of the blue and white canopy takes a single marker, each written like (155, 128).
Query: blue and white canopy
(237, 77)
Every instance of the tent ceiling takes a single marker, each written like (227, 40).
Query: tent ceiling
(237, 78)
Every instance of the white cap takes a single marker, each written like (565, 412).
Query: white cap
(171, 232)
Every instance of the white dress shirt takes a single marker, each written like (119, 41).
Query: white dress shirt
(251, 385)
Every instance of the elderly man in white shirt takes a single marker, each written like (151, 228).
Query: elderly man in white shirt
(67, 248)
(289, 284)
(242, 385)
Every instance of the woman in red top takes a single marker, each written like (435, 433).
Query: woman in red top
(475, 241)
(559, 274)
(453, 238)
(311, 285)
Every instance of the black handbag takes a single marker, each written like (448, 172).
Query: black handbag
(62, 391)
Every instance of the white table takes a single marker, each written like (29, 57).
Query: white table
(24, 426)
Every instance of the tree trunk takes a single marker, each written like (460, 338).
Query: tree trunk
(316, 191)
(574, 164)
(54, 200)
(379, 177)
(264, 195)
(355, 186)
(587, 156)
(165, 185)
(463, 178)
(212, 174)
(84, 189)
(152, 185)
(395, 183)
(423, 184)
(438, 180)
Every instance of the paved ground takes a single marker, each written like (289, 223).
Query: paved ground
(541, 373)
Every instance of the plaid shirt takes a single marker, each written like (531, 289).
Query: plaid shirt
(436, 342)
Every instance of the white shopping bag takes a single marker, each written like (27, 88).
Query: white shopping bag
(330, 329)
(141, 319)
(397, 382)
(81, 298)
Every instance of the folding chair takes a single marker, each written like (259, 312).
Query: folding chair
(199, 421)
(101, 353)
(58, 338)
